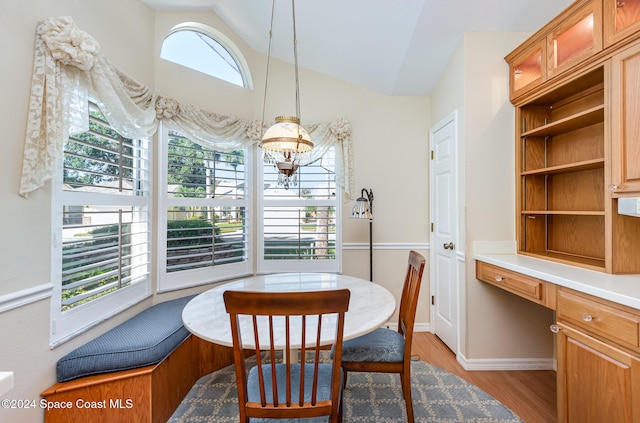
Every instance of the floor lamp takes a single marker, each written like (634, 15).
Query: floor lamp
(363, 209)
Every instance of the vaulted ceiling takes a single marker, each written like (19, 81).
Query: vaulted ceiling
(395, 47)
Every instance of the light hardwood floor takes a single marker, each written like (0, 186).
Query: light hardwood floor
(531, 394)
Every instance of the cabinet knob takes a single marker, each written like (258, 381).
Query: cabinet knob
(554, 328)
(499, 278)
(614, 187)
(587, 317)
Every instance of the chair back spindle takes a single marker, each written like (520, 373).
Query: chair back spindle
(287, 319)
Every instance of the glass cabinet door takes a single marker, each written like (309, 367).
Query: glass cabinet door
(576, 39)
(621, 19)
(527, 70)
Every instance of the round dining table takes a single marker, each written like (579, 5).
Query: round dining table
(370, 307)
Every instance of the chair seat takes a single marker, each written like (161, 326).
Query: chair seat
(324, 387)
(381, 345)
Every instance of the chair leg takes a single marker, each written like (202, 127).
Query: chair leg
(405, 379)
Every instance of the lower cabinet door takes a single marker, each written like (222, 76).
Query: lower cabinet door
(597, 383)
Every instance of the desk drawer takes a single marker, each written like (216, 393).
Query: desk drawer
(600, 319)
(527, 287)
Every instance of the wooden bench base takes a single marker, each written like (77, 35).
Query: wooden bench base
(148, 394)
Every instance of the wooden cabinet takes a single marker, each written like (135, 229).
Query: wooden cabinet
(621, 20)
(625, 114)
(597, 348)
(578, 141)
(598, 360)
(560, 159)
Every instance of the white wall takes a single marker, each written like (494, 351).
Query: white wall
(390, 137)
(494, 324)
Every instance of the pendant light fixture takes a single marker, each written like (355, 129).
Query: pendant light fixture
(286, 145)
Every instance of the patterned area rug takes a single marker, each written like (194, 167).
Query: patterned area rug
(438, 397)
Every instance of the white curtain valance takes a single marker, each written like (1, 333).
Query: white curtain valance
(68, 68)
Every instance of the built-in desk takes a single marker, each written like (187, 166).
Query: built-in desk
(597, 327)
(621, 289)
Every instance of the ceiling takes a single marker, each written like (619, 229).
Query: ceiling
(395, 47)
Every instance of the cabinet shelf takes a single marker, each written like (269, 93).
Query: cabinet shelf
(587, 262)
(571, 123)
(564, 212)
(571, 167)
(562, 174)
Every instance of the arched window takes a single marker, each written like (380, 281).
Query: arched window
(206, 50)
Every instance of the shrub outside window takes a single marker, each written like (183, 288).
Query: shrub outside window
(204, 214)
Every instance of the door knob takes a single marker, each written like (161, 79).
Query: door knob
(448, 246)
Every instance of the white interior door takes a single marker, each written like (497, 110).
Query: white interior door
(444, 221)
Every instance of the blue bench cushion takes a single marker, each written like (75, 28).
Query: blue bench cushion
(145, 339)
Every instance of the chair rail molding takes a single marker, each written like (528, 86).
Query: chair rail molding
(25, 296)
(386, 246)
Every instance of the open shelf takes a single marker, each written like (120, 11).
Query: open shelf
(563, 212)
(571, 123)
(571, 167)
(561, 162)
(586, 262)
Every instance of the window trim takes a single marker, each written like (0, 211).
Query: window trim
(224, 41)
(202, 276)
(70, 323)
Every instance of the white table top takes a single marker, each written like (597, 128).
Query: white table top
(370, 306)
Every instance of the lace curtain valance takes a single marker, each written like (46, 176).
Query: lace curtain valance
(68, 68)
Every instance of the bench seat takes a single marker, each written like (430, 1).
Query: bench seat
(139, 371)
(145, 339)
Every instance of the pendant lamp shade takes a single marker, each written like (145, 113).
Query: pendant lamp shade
(287, 136)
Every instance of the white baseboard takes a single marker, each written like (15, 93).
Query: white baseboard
(506, 363)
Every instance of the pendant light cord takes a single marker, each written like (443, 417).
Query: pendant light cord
(266, 81)
(295, 59)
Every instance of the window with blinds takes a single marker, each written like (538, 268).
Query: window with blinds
(101, 226)
(205, 217)
(300, 225)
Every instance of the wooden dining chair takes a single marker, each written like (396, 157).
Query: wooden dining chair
(287, 389)
(386, 350)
